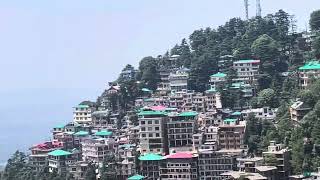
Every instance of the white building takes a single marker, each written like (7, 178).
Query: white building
(265, 113)
(247, 70)
(308, 73)
(97, 149)
(82, 114)
(179, 80)
(216, 79)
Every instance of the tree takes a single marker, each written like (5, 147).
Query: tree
(315, 20)
(316, 47)
(90, 173)
(267, 98)
(149, 73)
(270, 160)
(296, 144)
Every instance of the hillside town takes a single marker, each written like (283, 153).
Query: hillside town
(238, 102)
(172, 132)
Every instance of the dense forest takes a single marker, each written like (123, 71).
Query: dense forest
(274, 40)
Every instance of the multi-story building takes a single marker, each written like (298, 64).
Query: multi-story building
(308, 73)
(150, 165)
(78, 170)
(180, 128)
(197, 140)
(39, 154)
(249, 164)
(212, 164)
(211, 134)
(298, 110)
(247, 70)
(82, 114)
(231, 134)
(101, 119)
(126, 165)
(164, 85)
(97, 149)
(128, 73)
(179, 80)
(213, 100)
(59, 161)
(153, 136)
(176, 99)
(182, 166)
(283, 158)
(66, 138)
(217, 80)
(264, 113)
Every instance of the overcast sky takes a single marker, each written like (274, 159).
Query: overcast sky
(56, 53)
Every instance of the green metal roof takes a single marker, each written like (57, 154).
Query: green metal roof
(237, 113)
(152, 113)
(230, 120)
(312, 65)
(146, 90)
(212, 90)
(188, 114)
(60, 126)
(59, 152)
(82, 106)
(148, 100)
(103, 133)
(219, 74)
(136, 177)
(247, 61)
(151, 157)
(81, 133)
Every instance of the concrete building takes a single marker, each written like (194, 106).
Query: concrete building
(164, 85)
(197, 140)
(126, 166)
(265, 113)
(101, 119)
(38, 157)
(97, 149)
(308, 73)
(247, 70)
(211, 134)
(212, 164)
(179, 80)
(66, 139)
(213, 100)
(180, 128)
(249, 164)
(298, 110)
(283, 159)
(233, 175)
(150, 165)
(78, 170)
(217, 79)
(153, 135)
(231, 134)
(182, 166)
(82, 114)
(59, 161)
(128, 73)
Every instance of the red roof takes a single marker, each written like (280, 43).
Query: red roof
(180, 155)
(158, 108)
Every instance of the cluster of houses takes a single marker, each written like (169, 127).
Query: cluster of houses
(172, 133)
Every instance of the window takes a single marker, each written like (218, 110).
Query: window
(149, 128)
(143, 122)
(156, 122)
(143, 135)
(157, 128)
(157, 134)
(149, 122)
(150, 135)
(143, 129)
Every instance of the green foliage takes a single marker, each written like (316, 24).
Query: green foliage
(148, 72)
(90, 173)
(268, 98)
(270, 160)
(316, 47)
(315, 20)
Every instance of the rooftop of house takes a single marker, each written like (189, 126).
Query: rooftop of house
(59, 152)
(249, 176)
(152, 113)
(150, 157)
(103, 133)
(179, 155)
(81, 133)
(237, 113)
(219, 74)
(188, 114)
(247, 61)
(136, 177)
(265, 168)
(82, 106)
(311, 65)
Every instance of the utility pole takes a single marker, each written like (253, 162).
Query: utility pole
(258, 8)
(246, 6)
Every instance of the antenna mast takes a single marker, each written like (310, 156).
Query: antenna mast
(258, 8)
(246, 6)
